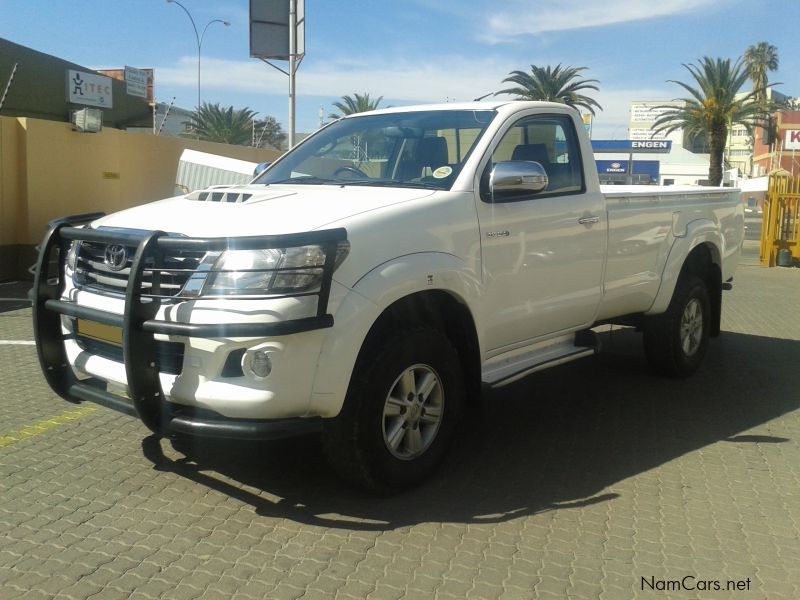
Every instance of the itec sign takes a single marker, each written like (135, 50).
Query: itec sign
(792, 139)
(89, 89)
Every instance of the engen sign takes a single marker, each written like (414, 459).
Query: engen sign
(792, 139)
(89, 89)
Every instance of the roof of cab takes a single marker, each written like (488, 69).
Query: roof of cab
(496, 105)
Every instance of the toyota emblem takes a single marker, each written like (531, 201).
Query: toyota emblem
(116, 257)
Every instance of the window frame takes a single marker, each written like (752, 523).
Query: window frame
(568, 126)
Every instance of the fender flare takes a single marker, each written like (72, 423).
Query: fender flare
(372, 294)
(700, 231)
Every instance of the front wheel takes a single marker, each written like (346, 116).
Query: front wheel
(676, 341)
(400, 413)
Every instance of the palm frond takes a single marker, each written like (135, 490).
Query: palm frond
(552, 84)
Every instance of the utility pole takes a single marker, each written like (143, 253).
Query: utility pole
(267, 27)
(292, 68)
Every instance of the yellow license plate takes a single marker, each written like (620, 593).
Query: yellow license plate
(99, 331)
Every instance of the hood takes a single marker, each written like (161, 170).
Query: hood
(258, 209)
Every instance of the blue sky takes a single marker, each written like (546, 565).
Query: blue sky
(412, 51)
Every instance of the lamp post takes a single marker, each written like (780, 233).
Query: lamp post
(199, 37)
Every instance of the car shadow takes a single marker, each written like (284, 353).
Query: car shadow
(14, 295)
(556, 440)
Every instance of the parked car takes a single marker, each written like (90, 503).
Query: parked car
(374, 278)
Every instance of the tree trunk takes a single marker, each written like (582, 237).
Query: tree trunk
(716, 146)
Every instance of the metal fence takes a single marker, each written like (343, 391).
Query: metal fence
(780, 233)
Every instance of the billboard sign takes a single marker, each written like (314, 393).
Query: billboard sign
(640, 167)
(791, 140)
(633, 146)
(136, 82)
(645, 133)
(646, 112)
(269, 29)
(89, 89)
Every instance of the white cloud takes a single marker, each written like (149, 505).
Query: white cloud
(523, 18)
(455, 78)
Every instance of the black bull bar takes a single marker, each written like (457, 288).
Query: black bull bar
(138, 324)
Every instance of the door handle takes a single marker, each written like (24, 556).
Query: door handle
(588, 220)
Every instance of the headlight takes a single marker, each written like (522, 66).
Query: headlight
(276, 271)
(244, 271)
(312, 258)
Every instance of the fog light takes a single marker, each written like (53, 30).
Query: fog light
(260, 364)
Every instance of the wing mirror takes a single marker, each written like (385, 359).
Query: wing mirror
(260, 168)
(516, 178)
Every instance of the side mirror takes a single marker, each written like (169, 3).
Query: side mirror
(260, 168)
(515, 178)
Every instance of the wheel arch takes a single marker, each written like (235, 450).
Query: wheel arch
(392, 295)
(704, 262)
(439, 309)
(699, 253)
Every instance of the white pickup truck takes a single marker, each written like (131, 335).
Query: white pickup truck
(373, 279)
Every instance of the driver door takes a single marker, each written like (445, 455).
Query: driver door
(543, 253)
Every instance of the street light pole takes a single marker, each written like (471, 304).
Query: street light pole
(199, 38)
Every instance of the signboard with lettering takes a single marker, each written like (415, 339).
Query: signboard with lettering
(89, 89)
(632, 146)
(791, 140)
(645, 133)
(647, 112)
(136, 82)
(640, 167)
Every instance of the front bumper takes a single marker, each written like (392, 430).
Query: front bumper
(141, 326)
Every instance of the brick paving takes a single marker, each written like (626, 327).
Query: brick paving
(575, 483)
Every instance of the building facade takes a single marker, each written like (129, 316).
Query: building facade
(784, 150)
(46, 87)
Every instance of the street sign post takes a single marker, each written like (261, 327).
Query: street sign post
(277, 32)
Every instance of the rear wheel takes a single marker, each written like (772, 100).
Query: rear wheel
(400, 413)
(676, 341)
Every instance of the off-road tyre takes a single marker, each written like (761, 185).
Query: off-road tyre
(675, 342)
(357, 442)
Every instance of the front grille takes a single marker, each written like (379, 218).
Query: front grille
(92, 270)
(168, 354)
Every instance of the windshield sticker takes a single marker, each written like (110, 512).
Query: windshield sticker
(442, 172)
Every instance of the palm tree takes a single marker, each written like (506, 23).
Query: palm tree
(216, 124)
(268, 132)
(356, 103)
(557, 84)
(712, 108)
(759, 60)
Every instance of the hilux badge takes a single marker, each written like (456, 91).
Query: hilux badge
(116, 257)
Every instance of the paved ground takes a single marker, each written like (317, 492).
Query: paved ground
(591, 480)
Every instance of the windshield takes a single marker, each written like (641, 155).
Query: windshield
(424, 149)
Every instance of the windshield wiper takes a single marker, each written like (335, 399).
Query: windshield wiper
(392, 183)
(307, 179)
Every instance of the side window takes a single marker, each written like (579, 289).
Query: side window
(548, 140)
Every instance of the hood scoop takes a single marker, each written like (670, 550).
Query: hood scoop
(219, 196)
(223, 194)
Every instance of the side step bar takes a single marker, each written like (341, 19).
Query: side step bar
(586, 343)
